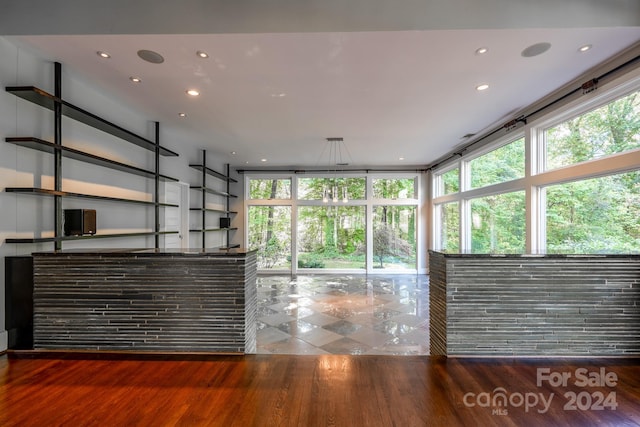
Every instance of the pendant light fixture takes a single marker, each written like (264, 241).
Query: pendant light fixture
(337, 159)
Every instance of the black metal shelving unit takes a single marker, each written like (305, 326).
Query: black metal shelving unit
(49, 101)
(45, 192)
(62, 108)
(85, 237)
(204, 190)
(71, 153)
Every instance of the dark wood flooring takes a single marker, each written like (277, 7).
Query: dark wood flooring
(51, 389)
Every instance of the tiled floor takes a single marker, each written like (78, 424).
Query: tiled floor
(343, 314)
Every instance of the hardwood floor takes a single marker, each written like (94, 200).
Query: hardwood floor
(48, 389)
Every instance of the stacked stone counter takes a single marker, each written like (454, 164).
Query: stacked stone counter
(146, 300)
(534, 305)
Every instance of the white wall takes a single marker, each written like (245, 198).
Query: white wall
(25, 215)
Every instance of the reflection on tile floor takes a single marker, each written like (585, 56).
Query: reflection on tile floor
(343, 314)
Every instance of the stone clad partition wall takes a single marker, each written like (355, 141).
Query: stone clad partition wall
(529, 305)
(146, 300)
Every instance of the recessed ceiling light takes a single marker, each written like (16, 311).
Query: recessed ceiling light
(481, 50)
(483, 86)
(263, 160)
(584, 48)
(202, 54)
(135, 79)
(193, 92)
(151, 56)
(278, 95)
(233, 153)
(103, 54)
(401, 158)
(536, 49)
(182, 114)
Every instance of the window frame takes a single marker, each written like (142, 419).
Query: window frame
(536, 178)
(368, 202)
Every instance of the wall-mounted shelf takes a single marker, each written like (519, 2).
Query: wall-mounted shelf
(212, 172)
(204, 190)
(46, 192)
(72, 153)
(222, 211)
(207, 230)
(212, 191)
(86, 237)
(60, 109)
(45, 99)
(229, 247)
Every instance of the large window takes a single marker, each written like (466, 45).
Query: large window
(270, 189)
(580, 193)
(502, 164)
(326, 188)
(341, 223)
(394, 188)
(610, 129)
(594, 215)
(270, 234)
(449, 233)
(497, 223)
(394, 237)
(448, 182)
(331, 237)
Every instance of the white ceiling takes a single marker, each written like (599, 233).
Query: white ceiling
(389, 94)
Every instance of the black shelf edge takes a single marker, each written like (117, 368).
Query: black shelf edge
(206, 230)
(229, 247)
(213, 210)
(86, 237)
(72, 153)
(213, 173)
(46, 192)
(46, 100)
(211, 191)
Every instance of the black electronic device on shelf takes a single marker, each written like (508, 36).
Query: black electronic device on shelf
(79, 222)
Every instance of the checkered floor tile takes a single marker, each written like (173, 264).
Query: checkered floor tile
(343, 314)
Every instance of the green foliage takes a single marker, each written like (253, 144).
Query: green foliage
(387, 243)
(394, 234)
(610, 129)
(314, 188)
(267, 189)
(385, 188)
(500, 165)
(603, 216)
(270, 234)
(450, 233)
(451, 181)
(600, 214)
(498, 223)
(587, 216)
(310, 261)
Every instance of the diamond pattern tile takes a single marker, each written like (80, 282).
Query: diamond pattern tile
(350, 314)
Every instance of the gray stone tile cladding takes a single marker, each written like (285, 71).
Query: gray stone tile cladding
(145, 303)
